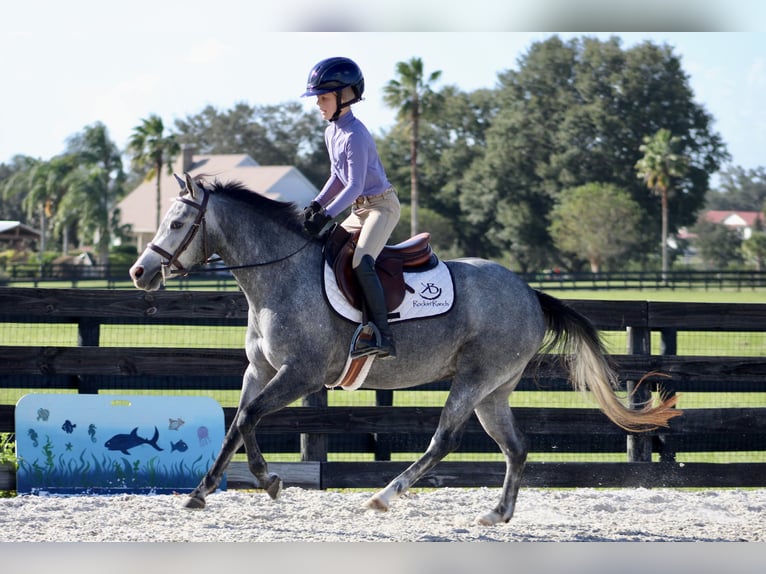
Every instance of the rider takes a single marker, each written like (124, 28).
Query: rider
(357, 180)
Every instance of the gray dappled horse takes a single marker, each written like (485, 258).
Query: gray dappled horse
(296, 343)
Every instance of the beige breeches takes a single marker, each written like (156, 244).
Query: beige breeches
(376, 217)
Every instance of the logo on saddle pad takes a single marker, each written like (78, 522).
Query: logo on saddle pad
(417, 283)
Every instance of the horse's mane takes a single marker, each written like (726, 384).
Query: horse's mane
(283, 212)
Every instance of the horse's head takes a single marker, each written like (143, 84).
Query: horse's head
(177, 245)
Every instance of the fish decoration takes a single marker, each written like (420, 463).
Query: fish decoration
(32, 434)
(179, 446)
(124, 442)
(175, 424)
(108, 444)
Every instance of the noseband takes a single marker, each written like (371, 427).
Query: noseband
(172, 266)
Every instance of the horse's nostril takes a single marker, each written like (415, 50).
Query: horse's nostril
(136, 272)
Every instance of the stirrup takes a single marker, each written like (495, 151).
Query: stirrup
(368, 335)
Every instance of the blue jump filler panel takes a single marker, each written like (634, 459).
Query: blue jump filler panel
(109, 444)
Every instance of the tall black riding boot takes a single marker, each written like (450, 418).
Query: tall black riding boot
(375, 299)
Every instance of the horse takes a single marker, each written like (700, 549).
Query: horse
(296, 344)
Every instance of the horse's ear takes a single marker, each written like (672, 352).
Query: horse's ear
(181, 182)
(191, 185)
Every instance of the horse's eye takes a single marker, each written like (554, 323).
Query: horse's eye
(176, 225)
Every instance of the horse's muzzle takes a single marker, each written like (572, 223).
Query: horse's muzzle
(143, 281)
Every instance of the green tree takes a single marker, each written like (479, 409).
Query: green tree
(596, 222)
(297, 138)
(444, 237)
(225, 132)
(575, 112)
(151, 148)
(282, 134)
(661, 163)
(718, 245)
(10, 207)
(411, 93)
(450, 142)
(94, 188)
(42, 185)
(754, 249)
(739, 190)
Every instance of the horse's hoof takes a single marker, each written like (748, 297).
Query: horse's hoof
(377, 503)
(274, 487)
(490, 519)
(195, 503)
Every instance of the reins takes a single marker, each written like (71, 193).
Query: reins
(173, 267)
(246, 265)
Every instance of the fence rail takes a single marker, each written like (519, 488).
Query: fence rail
(650, 280)
(315, 429)
(116, 276)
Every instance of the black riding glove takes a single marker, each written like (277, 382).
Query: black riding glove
(311, 209)
(315, 222)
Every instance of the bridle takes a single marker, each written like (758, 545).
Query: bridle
(171, 266)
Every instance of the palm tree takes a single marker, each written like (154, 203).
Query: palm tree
(414, 97)
(43, 184)
(151, 148)
(20, 184)
(659, 164)
(51, 186)
(94, 188)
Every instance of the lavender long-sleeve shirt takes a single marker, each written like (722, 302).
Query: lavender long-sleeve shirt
(355, 167)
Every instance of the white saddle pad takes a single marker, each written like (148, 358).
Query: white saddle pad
(434, 294)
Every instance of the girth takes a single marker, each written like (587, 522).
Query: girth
(413, 255)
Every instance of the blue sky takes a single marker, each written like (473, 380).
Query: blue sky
(68, 65)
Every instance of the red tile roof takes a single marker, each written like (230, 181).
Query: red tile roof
(733, 217)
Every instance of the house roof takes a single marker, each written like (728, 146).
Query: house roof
(734, 218)
(282, 182)
(17, 230)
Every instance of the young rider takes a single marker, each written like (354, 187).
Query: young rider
(357, 180)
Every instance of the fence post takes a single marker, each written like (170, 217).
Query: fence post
(639, 446)
(88, 335)
(668, 346)
(383, 440)
(314, 446)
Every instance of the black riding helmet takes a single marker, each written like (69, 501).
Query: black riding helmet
(332, 75)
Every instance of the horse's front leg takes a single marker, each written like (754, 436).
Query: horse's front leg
(254, 380)
(231, 443)
(287, 386)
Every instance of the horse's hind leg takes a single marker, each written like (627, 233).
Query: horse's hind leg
(495, 416)
(447, 437)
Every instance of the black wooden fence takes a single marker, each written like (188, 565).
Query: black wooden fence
(116, 276)
(315, 429)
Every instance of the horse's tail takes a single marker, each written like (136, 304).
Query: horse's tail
(586, 360)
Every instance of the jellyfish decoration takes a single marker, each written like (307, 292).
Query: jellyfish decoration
(203, 435)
